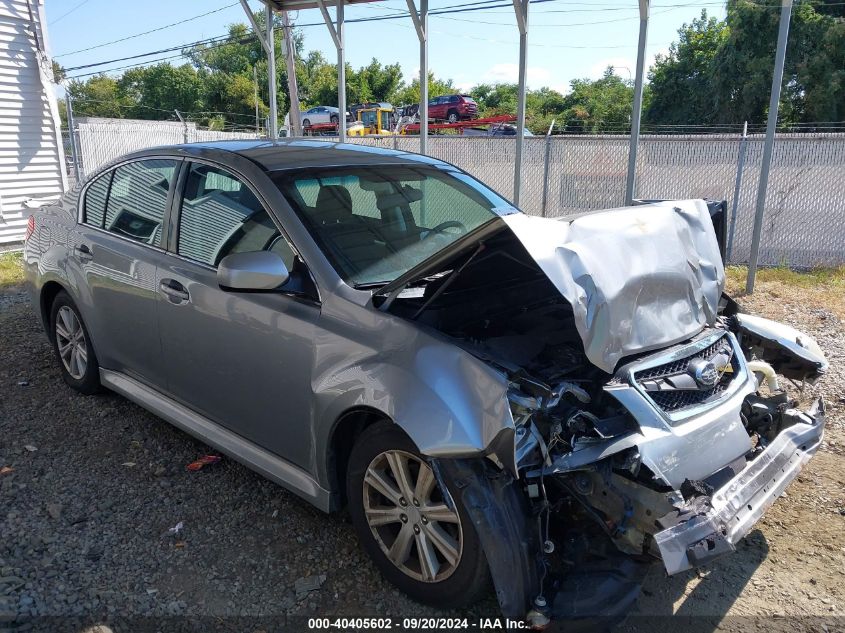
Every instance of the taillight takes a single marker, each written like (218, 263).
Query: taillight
(30, 228)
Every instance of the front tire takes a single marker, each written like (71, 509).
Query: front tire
(334, 119)
(452, 117)
(72, 346)
(403, 522)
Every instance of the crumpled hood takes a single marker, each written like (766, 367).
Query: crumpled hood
(638, 278)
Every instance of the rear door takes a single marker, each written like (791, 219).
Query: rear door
(242, 359)
(116, 252)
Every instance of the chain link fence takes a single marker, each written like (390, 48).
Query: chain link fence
(804, 222)
(100, 141)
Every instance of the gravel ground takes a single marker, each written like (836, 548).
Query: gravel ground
(98, 486)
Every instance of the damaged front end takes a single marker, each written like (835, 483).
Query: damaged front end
(657, 463)
(649, 419)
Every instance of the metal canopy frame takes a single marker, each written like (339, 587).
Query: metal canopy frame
(420, 20)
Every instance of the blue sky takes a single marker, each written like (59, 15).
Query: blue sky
(568, 39)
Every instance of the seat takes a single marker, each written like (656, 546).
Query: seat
(334, 205)
(355, 244)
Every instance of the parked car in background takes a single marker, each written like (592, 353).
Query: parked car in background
(498, 129)
(321, 114)
(550, 404)
(452, 108)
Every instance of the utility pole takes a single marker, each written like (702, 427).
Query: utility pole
(293, 90)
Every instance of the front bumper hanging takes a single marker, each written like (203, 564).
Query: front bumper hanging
(739, 504)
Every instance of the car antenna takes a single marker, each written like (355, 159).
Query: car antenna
(448, 281)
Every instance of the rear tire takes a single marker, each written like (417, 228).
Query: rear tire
(72, 346)
(452, 571)
(306, 123)
(452, 116)
(334, 119)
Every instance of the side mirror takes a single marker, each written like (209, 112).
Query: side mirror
(258, 270)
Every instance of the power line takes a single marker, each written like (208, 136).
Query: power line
(161, 28)
(64, 15)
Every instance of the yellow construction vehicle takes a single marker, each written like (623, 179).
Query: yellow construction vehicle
(373, 122)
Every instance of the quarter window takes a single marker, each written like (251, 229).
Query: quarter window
(137, 200)
(220, 215)
(95, 200)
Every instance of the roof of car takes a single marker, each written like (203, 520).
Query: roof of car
(300, 153)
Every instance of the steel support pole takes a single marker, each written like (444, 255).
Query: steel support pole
(341, 73)
(293, 90)
(420, 20)
(636, 111)
(740, 166)
(768, 146)
(521, 9)
(271, 74)
(72, 136)
(255, 82)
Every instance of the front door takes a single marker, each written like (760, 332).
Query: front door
(241, 359)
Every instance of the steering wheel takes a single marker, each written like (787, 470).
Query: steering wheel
(444, 226)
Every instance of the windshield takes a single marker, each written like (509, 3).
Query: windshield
(375, 223)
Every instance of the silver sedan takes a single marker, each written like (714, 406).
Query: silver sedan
(549, 404)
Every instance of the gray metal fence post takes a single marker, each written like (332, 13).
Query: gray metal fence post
(72, 134)
(743, 144)
(546, 169)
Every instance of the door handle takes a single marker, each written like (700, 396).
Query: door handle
(83, 251)
(174, 290)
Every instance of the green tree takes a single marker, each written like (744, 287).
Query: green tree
(160, 89)
(603, 105)
(99, 96)
(681, 82)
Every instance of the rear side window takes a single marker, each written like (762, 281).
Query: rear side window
(220, 215)
(137, 200)
(95, 200)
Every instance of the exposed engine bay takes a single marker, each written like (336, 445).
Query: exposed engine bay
(671, 455)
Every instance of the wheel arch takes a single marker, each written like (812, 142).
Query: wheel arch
(47, 296)
(345, 431)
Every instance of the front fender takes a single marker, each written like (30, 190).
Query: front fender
(449, 403)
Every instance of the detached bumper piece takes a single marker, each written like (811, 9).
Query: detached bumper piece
(739, 504)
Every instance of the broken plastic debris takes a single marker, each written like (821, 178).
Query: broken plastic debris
(205, 460)
(23, 383)
(302, 586)
(6, 470)
(128, 464)
(176, 528)
(30, 448)
(180, 544)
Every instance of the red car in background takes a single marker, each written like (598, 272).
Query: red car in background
(452, 108)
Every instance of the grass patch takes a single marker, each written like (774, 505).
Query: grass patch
(820, 287)
(825, 277)
(11, 269)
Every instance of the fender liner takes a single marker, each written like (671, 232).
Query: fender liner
(508, 533)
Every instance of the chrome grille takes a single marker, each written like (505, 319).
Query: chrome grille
(676, 400)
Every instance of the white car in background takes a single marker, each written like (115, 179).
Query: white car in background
(321, 114)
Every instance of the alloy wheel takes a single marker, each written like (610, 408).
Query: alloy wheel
(70, 341)
(409, 517)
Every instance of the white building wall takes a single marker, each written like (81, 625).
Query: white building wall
(31, 154)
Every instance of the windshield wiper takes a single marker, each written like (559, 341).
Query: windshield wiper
(447, 282)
